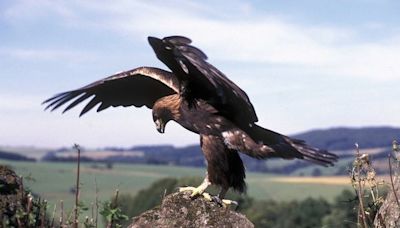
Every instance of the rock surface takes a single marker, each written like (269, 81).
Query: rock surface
(179, 210)
(10, 193)
(19, 208)
(388, 215)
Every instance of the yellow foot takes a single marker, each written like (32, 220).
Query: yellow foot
(199, 191)
(224, 202)
(227, 203)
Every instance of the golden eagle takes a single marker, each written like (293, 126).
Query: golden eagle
(201, 99)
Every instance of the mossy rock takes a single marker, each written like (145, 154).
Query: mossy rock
(180, 210)
(18, 208)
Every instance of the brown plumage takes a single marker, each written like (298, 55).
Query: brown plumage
(201, 99)
(170, 105)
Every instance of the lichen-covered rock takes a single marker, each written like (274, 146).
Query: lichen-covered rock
(179, 210)
(388, 215)
(10, 192)
(18, 208)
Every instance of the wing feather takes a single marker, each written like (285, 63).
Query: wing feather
(201, 80)
(63, 99)
(89, 105)
(137, 87)
(77, 101)
(102, 107)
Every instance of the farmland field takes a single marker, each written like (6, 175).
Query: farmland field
(53, 181)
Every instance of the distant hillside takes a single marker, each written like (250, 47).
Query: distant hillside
(344, 138)
(28, 151)
(160, 154)
(14, 157)
(375, 141)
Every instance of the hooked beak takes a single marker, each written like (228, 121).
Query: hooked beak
(160, 126)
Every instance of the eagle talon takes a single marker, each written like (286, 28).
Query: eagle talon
(207, 196)
(224, 202)
(195, 191)
(217, 200)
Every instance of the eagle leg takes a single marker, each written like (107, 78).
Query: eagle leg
(200, 190)
(219, 199)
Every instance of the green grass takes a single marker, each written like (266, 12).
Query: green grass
(265, 187)
(54, 180)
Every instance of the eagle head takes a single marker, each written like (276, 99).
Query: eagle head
(166, 109)
(161, 116)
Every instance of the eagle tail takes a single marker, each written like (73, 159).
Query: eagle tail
(289, 148)
(313, 154)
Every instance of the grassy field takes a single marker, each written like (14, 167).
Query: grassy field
(53, 181)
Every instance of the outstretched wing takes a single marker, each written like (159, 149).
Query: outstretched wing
(138, 87)
(200, 79)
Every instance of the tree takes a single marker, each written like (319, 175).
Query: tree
(344, 211)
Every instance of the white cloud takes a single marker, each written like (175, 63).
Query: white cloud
(260, 39)
(248, 36)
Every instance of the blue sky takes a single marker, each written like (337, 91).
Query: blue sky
(304, 64)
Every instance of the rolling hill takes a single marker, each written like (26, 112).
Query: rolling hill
(375, 141)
